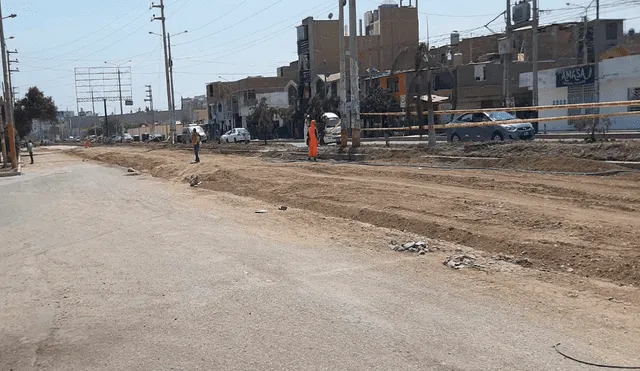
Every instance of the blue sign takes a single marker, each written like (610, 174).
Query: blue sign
(574, 76)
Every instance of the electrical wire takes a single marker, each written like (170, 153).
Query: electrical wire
(594, 364)
(235, 24)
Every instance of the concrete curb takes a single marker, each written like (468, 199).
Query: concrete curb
(6, 174)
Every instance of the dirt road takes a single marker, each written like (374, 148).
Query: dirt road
(101, 271)
(589, 226)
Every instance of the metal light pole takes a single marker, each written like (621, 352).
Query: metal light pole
(7, 95)
(343, 76)
(166, 65)
(172, 103)
(536, 21)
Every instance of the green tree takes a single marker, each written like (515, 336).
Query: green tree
(261, 120)
(379, 100)
(34, 106)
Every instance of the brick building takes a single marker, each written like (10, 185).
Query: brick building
(390, 29)
(230, 102)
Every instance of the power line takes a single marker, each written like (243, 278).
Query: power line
(235, 24)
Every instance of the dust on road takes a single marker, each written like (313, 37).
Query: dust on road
(588, 226)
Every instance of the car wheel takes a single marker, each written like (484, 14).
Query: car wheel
(235, 140)
(227, 140)
(497, 137)
(455, 138)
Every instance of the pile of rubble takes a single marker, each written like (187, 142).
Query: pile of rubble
(459, 261)
(420, 247)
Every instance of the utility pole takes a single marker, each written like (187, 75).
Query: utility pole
(355, 90)
(585, 49)
(149, 98)
(106, 119)
(93, 104)
(534, 53)
(173, 98)
(506, 88)
(8, 104)
(9, 61)
(343, 76)
(166, 65)
(121, 131)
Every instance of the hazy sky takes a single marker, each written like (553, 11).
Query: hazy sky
(231, 39)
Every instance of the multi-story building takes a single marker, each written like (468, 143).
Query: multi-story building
(391, 31)
(230, 102)
(194, 109)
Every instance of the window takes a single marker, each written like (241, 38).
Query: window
(479, 117)
(393, 85)
(479, 72)
(210, 90)
(612, 31)
(466, 118)
(250, 97)
(634, 94)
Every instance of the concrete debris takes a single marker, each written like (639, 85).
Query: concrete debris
(283, 208)
(460, 261)
(261, 211)
(417, 247)
(131, 170)
(194, 180)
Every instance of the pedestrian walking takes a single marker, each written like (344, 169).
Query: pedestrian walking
(313, 141)
(195, 139)
(30, 150)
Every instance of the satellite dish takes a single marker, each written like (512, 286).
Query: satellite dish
(330, 15)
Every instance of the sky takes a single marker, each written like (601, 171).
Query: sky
(225, 39)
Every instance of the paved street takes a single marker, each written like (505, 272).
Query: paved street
(102, 271)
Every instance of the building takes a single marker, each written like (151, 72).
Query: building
(391, 31)
(619, 80)
(194, 110)
(472, 73)
(230, 102)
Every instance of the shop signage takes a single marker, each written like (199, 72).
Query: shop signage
(573, 76)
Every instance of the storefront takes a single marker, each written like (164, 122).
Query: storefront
(619, 81)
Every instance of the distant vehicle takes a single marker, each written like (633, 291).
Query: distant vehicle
(497, 132)
(127, 137)
(155, 137)
(236, 135)
(333, 128)
(187, 131)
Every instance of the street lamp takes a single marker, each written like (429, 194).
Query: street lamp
(117, 65)
(10, 16)
(171, 91)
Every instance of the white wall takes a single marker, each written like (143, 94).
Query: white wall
(616, 77)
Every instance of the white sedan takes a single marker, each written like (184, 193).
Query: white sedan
(236, 135)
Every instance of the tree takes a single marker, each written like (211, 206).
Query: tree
(379, 100)
(331, 104)
(261, 120)
(34, 106)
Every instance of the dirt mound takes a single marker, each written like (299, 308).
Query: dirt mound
(589, 224)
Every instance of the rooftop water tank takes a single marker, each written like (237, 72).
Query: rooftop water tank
(455, 38)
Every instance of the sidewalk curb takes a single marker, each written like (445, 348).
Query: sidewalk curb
(12, 172)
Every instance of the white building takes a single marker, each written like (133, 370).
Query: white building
(619, 80)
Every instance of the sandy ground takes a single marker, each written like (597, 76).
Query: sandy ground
(586, 226)
(103, 271)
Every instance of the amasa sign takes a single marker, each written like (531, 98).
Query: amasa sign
(573, 76)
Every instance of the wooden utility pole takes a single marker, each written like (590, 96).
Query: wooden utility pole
(8, 102)
(166, 67)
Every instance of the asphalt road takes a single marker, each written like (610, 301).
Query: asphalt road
(100, 271)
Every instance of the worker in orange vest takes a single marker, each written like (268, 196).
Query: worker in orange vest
(313, 141)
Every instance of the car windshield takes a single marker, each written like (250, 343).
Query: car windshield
(501, 116)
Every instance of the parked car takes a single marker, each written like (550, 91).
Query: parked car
(187, 131)
(155, 137)
(127, 137)
(236, 135)
(498, 132)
